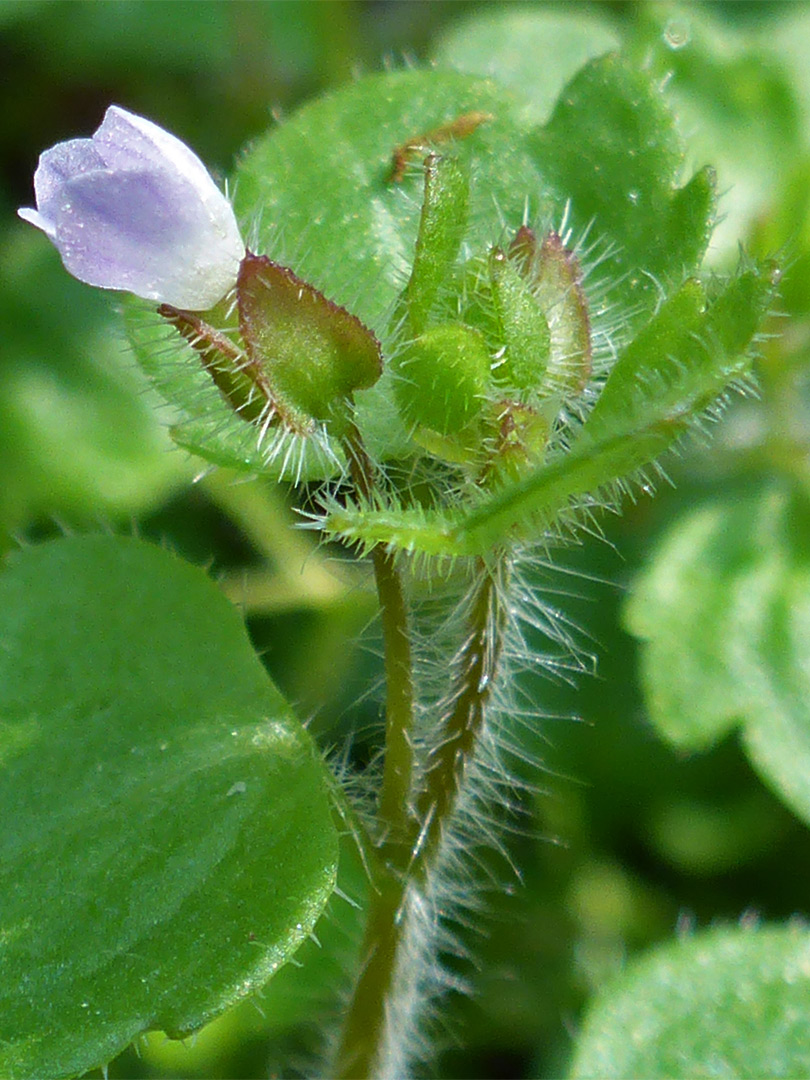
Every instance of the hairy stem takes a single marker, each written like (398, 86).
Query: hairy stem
(364, 1043)
(465, 708)
(394, 803)
(364, 1028)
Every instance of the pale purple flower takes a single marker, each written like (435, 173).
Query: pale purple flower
(133, 208)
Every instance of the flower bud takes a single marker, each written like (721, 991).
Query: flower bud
(443, 378)
(133, 208)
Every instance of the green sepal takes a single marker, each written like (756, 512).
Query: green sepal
(442, 224)
(522, 327)
(313, 352)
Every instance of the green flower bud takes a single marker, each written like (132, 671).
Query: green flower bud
(443, 378)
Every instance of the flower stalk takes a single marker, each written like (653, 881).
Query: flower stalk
(417, 810)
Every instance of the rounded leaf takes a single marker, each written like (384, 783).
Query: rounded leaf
(168, 841)
(728, 1002)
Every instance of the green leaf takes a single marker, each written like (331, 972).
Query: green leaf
(728, 1002)
(79, 435)
(612, 149)
(683, 358)
(723, 612)
(168, 841)
(321, 194)
(533, 52)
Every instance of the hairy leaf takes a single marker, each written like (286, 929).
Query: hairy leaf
(724, 616)
(727, 1002)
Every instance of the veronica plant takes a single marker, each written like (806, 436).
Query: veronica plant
(464, 332)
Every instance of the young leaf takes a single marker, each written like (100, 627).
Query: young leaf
(168, 841)
(683, 358)
(723, 612)
(727, 1002)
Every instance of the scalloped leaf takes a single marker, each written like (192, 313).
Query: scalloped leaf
(168, 840)
(723, 612)
(727, 1002)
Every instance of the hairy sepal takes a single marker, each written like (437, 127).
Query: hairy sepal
(313, 352)
(676, 367)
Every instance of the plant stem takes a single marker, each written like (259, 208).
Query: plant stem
(466, 711)
(365, 1023)
(395, 792)
(365, 1037)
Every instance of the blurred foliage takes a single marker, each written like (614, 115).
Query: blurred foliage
(625, 837)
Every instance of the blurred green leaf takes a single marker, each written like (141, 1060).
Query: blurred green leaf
(734, 102)
(532, 51)
(79, 433)
(172, 842)
(723, 613)
(726, 1002)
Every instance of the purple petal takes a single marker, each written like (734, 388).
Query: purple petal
(62, 163)
(147, 233)
(127, 141)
